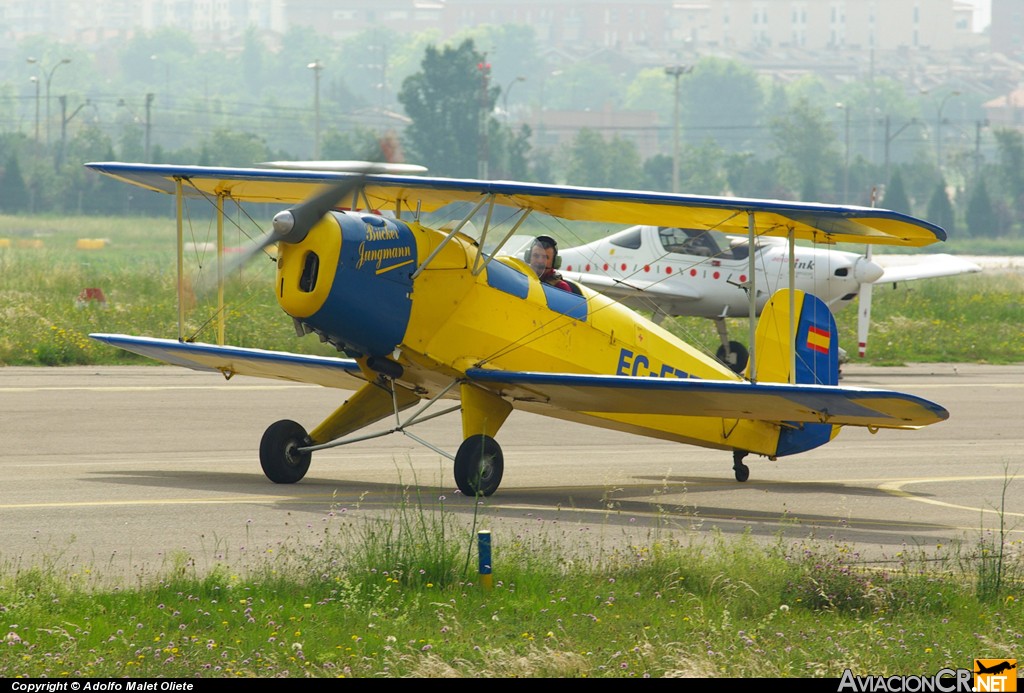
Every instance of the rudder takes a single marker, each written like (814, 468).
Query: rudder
(814, 337)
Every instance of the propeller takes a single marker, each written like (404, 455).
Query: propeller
(864, 303)
(292, 225)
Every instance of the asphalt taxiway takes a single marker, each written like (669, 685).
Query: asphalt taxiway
(138, 469)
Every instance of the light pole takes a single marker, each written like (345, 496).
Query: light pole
(316, 66)
(846, 152)
(36, 80)
(676, 71)
(148, 120)
(508, 89)
(938, 128)
(49, 78)
(888, 141)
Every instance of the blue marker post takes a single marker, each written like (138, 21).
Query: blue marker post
(483, 544)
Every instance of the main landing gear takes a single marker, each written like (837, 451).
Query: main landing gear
(280, 454)
(479, 465)
(286, 448)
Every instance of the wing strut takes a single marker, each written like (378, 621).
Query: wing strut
(179, 206)
(451, 235)
(220, 270)
(479, 264)
(752, 294)
(399, 427)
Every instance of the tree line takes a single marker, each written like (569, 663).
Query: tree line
(739, 135)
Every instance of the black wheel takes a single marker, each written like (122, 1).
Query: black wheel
(279, 455)
(479, 465)
(737, 357)
(741, 470)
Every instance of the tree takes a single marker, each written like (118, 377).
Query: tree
(807, 145)
(896, 195)
(980, 216)
(723, 97)
(231, 148)
(14, 196)
(359, 144)
(446, 101)
(940, 210)
(594, 161)
(1011, 168)
(587, 163)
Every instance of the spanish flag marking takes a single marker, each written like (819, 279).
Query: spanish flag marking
(818, 339)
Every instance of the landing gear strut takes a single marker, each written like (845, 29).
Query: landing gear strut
(742, 471)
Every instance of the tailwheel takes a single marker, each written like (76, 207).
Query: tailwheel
(742, 471)
(479, 465)
(279, 452)
(735, 357)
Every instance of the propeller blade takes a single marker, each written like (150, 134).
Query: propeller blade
(292, 225)
(864, 312)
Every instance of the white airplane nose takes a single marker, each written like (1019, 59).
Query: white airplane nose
(867, 272)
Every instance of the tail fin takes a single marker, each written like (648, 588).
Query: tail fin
(812, 334)
(813, 338)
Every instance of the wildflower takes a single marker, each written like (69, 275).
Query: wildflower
(784, 607)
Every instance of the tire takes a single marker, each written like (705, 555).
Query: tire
(739, 356)
(479, 465)
(281, 461)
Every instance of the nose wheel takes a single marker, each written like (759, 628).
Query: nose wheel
(479, 465)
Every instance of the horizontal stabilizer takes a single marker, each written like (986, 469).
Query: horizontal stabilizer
(227, 360)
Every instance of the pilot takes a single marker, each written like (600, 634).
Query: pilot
(543, 258)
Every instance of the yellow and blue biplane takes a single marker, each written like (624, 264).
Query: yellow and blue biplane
(421, 316)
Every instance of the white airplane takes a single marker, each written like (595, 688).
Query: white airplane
(674, 271)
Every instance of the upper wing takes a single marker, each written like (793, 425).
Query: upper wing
(901, 268)
(775, 402)
(819, 223)
(279, 365)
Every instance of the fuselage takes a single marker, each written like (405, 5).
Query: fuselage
(707, 275)
(358, 281)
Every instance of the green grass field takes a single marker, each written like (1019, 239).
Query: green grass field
(975, 318)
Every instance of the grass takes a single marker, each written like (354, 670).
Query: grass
(973, 318)
(397, 596)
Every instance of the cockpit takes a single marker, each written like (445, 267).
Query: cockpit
(700, 243)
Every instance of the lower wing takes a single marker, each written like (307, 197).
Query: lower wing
(634, 288)
(773, 402)
(901, 268)
(279, 365)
